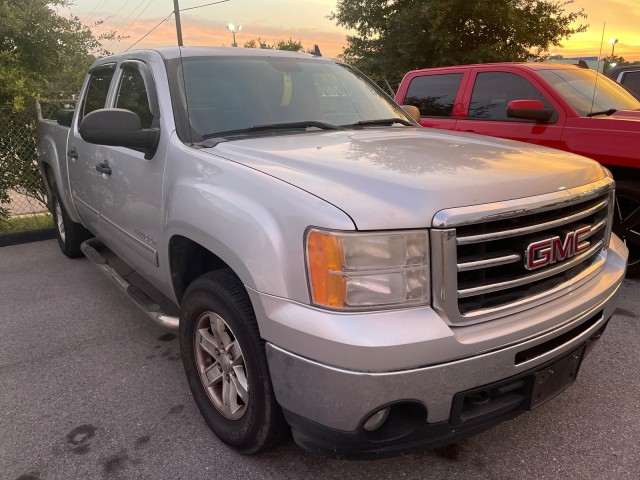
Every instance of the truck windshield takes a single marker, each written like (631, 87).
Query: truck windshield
(578, 87)
(236, 94)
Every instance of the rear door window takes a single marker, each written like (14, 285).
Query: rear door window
(434, 95)
(493, 91)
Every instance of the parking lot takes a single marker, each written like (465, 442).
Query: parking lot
(89, 388)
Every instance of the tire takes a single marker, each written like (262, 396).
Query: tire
(226, 365)
(626, 222)
(70, 234)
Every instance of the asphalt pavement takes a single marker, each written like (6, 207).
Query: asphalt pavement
(91, 389)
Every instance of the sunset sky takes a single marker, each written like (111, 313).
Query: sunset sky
(306, 21)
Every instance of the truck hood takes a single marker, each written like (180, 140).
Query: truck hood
(400, 177)
(633, 115)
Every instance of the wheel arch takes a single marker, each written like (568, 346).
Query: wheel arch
(624, 173)
(188, 260)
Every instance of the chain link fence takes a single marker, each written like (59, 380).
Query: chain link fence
(23, 199)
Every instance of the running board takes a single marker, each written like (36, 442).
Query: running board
(139, 297)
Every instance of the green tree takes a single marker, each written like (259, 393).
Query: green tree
(251, 44)
(259, 43)
(395, 36)
(611, 62)
(42, 55)
(289, 45)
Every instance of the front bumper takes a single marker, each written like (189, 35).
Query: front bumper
(327, 405)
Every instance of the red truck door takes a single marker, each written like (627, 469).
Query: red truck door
(437, 95)
(485, 103)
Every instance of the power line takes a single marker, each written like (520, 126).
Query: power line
(94, 11)
(205, 5)
(122, 22)
(137, 17)
(131, 12)
(132, 21)
(103, 27)
(149, 32)
(161, 21)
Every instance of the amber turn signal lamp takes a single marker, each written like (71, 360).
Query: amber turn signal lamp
(325, 260)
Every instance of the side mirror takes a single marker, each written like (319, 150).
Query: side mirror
(412, 111)
(64, 117)
(119, 128)
(529, 110)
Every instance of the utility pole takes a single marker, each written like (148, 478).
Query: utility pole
(176, 12)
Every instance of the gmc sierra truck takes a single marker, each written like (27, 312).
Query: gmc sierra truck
(332, 268)
(560, 106)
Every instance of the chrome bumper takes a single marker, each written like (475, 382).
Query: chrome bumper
(340, 398)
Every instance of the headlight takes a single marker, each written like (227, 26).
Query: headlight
(360, 271)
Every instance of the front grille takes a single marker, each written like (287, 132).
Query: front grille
(480, 268)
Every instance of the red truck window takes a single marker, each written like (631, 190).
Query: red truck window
(493, 91)
(434, 95)
(587, 94)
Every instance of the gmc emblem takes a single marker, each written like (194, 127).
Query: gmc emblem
(546, 252)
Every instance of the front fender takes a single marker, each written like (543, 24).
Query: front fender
(253, 222)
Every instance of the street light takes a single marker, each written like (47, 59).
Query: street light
(234, 29)
(613, 42)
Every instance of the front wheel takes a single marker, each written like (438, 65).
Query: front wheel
(626, 222)
(226, 365)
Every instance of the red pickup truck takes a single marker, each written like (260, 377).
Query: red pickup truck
(560, 106)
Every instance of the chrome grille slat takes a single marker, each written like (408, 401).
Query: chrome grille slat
(596, 228)
(489, 262)
(479, 252)
(548, 272)
(532, 228)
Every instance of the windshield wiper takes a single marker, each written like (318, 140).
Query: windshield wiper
(382, 121)
(611, 111)
(275, 126)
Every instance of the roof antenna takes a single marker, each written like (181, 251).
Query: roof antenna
(595, 85)
(316, 51)
(582, 64)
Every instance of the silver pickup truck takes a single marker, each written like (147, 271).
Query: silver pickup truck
(332, 268)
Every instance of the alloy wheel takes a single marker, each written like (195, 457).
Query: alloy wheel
(221, 366)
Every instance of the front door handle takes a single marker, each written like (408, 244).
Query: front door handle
(73, 153)
(104, 168)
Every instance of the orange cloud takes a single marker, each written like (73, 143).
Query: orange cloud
(619, 18)
(200, 32)
(310, 26)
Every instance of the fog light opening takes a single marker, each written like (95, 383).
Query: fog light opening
(376, 420)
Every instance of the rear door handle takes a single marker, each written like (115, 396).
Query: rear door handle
(73, 153)
(104, 168)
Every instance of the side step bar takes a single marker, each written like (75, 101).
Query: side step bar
(140, 298)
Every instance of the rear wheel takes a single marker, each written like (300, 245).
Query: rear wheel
(226, 365)
(70, 234)
(626, 222)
